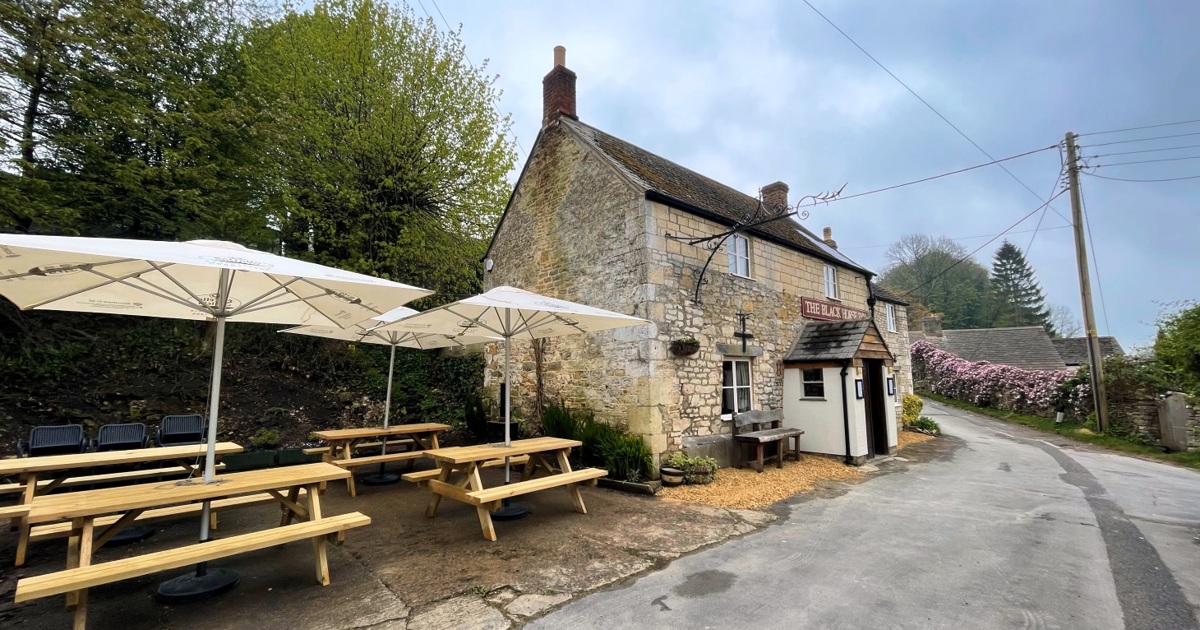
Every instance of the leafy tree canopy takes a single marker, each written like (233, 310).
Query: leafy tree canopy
(1017, 298)
(917, 267)
(1178, 342)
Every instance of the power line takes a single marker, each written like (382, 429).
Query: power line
(977, 249)
(1100, 155)
(1178, 159)
(1062, 168)
(1178, 135)
(1142, 181)
(931, 107)
(963, 238)
(926, 179)
(1087, 223)
(1170, 124)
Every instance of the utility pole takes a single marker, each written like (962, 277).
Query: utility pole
(1099, 397)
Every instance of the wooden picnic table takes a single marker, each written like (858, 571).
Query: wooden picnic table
(342, 445)
(459, 478)
(57, 470)
(83, 509)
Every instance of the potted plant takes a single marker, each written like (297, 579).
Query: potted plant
(685, 346)
(670, 476)
(703, 470)
(261, 453)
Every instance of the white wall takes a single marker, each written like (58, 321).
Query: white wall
(821, 420)
(892, 405)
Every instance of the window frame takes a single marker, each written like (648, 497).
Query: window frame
(748, 386)
(734, 257)
(831, 282)
(805, 382)
(889, 311)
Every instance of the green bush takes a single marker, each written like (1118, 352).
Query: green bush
(925, 425)
(266, 439)
(558, 422)
(594, 435)
(911, 410)
(627, 457)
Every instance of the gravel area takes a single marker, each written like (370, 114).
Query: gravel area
(745, 488)
(912, 437)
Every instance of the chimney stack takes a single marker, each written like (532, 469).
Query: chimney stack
(932, 325)
(775, 195)
(558, 90)
(828, 238)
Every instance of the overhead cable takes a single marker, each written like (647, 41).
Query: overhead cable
(1178, 135)
(1188, 157)
(1170, 124)
(931, 107)
(1100, 155)
(1087, 224)
(1141, 181)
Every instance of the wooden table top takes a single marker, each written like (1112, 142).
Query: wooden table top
(483, 452)
(396, 429)
(68, 505)
(109, 458)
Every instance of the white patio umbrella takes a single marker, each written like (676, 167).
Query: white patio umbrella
(199, 280)
(512, 313)
(370, 331)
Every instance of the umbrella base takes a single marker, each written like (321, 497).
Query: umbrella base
(193, 588)
(380, 479)
(135, 533)
(511, 511)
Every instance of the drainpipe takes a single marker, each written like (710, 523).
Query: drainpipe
(846, 410)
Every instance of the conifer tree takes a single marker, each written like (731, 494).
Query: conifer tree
(1017, 298)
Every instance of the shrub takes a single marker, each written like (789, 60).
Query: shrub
(627, 457)
(558, 422)
(697, 470)
(912, 409)
(925, 425)
(594, 435)
(266, 439)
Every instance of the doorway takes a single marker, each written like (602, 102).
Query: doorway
(875, 399)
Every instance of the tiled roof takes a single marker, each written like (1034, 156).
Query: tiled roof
(887, 296)
(698, 194)
(1074, 350)
(829, 341)
(1027, 347)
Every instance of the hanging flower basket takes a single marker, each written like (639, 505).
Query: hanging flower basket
(685, 347)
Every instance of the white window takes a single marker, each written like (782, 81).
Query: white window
(814, 383)
(739, 255)
(891, 317)
(735, 390)
(831, 285)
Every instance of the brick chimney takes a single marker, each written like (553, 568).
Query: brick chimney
(775, 195)
(932, 325)
(828, 238)
(558, 90)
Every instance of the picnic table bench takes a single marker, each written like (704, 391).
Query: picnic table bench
(63, 470)
(760, 427)
(112, 509)
(343, 444)
(458, 475)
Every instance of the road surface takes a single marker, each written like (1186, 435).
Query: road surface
(1000, 529)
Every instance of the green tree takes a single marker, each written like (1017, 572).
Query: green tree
(1017, 298)
(1177, 344)
(928, 270)
(392, 158)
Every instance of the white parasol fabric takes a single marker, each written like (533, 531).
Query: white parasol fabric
(512, 313)
(202, 280)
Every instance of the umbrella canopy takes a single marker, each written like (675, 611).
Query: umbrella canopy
(512, 313)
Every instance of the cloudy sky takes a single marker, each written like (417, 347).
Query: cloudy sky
(754, 91)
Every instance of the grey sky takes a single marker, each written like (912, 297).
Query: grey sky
(755, 91)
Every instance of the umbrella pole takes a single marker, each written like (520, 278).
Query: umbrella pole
(204, 583)
(382, 478)
(508, 511)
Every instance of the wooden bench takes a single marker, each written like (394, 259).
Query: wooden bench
(62, 530)
(118, 477)
(370, 461)
(425, 475)
(78, 580)
(325, 450)
(573, 478)
(760, 427)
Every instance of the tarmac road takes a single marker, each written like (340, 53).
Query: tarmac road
(1001, 529)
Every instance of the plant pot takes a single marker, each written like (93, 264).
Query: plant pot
(248, 461)
(671, 476)
(292, 456)
(685, 348)
(701, 475)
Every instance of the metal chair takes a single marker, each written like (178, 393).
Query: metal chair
(54, 440)
(177, 430)
(121, 437)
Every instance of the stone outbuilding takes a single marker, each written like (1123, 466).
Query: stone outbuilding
(597, 220)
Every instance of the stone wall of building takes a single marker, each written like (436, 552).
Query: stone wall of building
(576, 231)
(898, 343)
